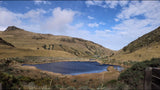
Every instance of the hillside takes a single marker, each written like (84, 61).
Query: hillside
(145, 47)
(4, 44)
(23, 39)
(144, 41)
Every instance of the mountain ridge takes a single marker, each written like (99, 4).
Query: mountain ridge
(23, 39)
(143, 48)
(145, 40)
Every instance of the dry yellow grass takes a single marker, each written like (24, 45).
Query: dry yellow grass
(14, 52)
(143, 48)
(145, 53)
(34, 41)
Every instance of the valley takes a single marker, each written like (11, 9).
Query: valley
(79, 45)
(18, 47)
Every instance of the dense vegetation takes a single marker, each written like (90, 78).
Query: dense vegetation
(145, 40)
(134, 76)
(11, 80)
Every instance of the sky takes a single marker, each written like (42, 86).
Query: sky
(112, 24)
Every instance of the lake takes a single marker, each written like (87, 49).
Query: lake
(74, 67)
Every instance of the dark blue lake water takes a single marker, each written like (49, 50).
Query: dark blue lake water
(74, 67)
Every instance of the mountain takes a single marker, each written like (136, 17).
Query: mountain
(144, 41)
(145, 47)
(78, 47)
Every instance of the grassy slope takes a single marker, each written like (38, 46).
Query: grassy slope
(4, 44)
(29, 43)
(14, 52)
(145, 47)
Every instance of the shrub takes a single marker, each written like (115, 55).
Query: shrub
(134, 76)
(70, 88)
(9, 82)
(111, 82)
(120, 86)
(84, 88)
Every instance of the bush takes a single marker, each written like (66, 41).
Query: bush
(111, 82)
(70, 88)
(9, 82)
(84, 88)
(134, 76)
(120, 86)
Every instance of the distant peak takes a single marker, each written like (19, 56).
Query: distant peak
(12, 28)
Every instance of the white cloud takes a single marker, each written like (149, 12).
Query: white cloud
(112, 4)
(123, 2)
(93, 25)
(38, 2)
(34, 15)
(89, 17)
(89, 2)
(2, 28)
(102, 23)
(136, 20)
(107, 3)
(102, 33)
(79, 25)
(133, 28)
(116, 19)
(60, 20)
(58, 23)
(94, 2)
(9, 18)
(149, 10)
(146, 8)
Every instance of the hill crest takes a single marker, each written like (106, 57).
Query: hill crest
(28, 40)
(9, 28)
(143, 48)
(143, 41)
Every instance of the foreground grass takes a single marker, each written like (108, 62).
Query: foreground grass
(134, 76)
(12, 77)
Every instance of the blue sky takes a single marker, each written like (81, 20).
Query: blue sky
(113, 24)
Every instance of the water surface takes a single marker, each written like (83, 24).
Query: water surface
(75, 67)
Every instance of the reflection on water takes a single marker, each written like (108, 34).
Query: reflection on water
(74, 67)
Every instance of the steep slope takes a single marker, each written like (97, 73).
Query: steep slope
(144, 41)
(145, 47)
(28, 40)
